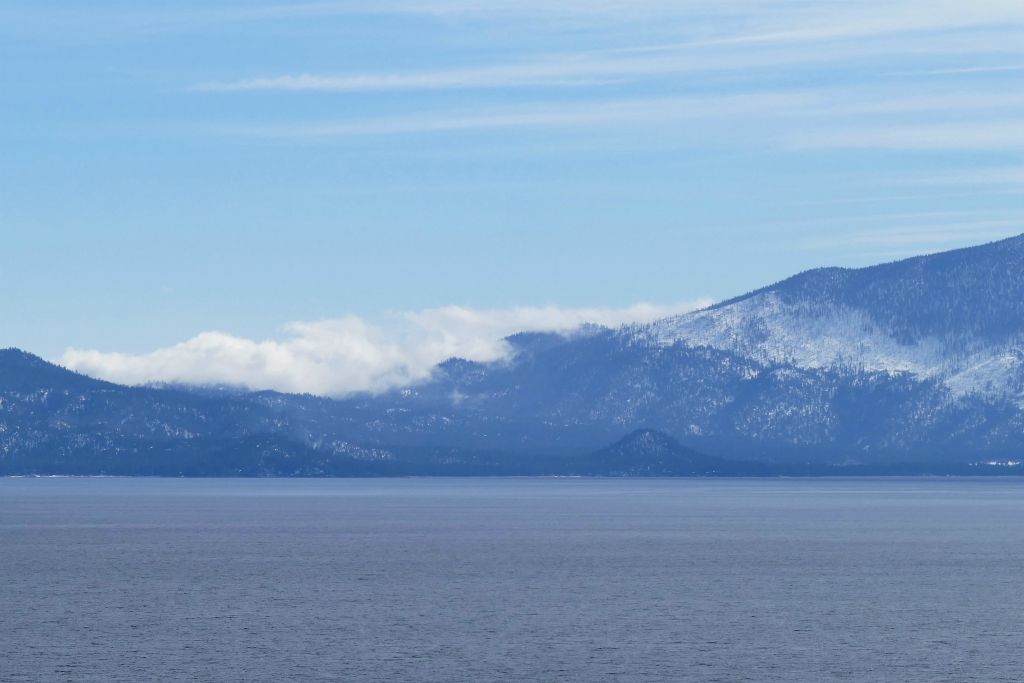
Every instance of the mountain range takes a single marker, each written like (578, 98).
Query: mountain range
(908, 367)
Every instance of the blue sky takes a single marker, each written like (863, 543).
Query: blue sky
(322, 190)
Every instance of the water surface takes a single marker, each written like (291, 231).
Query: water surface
(511, 580)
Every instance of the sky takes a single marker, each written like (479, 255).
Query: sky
(333, 196)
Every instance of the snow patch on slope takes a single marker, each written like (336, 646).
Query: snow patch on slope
(767, 329)
(1000, 373)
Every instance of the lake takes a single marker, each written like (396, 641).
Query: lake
(511, 579)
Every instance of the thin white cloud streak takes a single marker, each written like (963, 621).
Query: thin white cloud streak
(350, 354)
(966, 70)
(580, 69)
(890, 102)
(919, 237)
(611, 8)
(477, 10)
(533, 15)
(573, 69)
(933, 218)
(773, 112)
(974, 135)
(764, 20)
(858, 20)
(997, 176)
(497, 9)
(530, 74)
(554, 70)
(942, 193)
(544, 116)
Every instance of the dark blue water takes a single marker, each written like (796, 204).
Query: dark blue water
(511, 580)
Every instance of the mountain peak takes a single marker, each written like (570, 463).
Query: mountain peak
(13, 358)
(649, 452)
(648, 439)
(22, 371)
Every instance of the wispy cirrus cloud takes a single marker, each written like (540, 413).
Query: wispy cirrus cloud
(172, 14)
(575, 69)
(351, 354)
(746, 20)
(998, 134)
(817, 22)
(828, 118)
(113, 18)
(552, 73)
(999, 176)
(568, 70)
(537, 116)
(913, 231)
(967, 70)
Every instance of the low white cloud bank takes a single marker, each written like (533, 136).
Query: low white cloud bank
(345, 355)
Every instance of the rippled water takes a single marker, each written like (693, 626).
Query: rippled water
(511, 580)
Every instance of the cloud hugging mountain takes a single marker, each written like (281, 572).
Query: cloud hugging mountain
(335, 357)
(916, 365)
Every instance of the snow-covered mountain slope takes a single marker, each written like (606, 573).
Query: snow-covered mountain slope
(956, 316)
